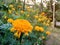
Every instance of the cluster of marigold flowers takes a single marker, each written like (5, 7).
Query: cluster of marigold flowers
(41, 29)
(20, 26)
(42, 18)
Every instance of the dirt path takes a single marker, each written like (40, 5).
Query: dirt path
(54, 38)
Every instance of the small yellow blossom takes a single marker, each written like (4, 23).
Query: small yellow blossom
(39, 20)
(17, 34)
(10, 20)
(13, 9)
(41, 29)
(48, 33)
(11, 6)
(19, 6)
(43, 37)
(12, 29)
(9, 11)
(36, 16)
(21, 11)
(5, 17)
(28, 15)
(37, 28)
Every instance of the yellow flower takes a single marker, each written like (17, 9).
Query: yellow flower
(43, 37)
(22, 26)
(9, 11)
(48, 33)
(37, 28)
(28, 7)
(28, 15)
(5, 17)
(36, 16)
(41, 29)
(17, 34)
(10, 20)
(19, 6)
(12, 29)
(43, 13)
(22, 12)
(39, 20)
(47, 24)
(28, 10)
(13, 9)
(11, 6)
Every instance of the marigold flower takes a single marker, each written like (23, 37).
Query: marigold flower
(9, 11)
(10, 20)
(22, 26)
(19, 6)
(17, 34)
(22, 12)
(43, 13)
(11, 6)
(37, 28)
(13, 9)
(48, 33)
(28, 15)
(12, 29)
(43, 37)
(41, 29)
(36, 16)
(5, 17)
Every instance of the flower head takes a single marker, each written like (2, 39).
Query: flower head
(21, 26)
(48, 33)
(10, 20)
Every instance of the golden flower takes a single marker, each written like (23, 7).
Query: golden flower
(39, 19)
(9, 11)
(41, 29)
(43, 13)
(28, 15)
(5, 17)
(13, 9)
(37, 28)
(22, 26)
(22, 12)
(12, 29)
(43, 37)
(19, 6)
(48, 33)
(10, 20)
(17, 34)
(28, 10)
(36, 16)
(11, 6)
(47, 24)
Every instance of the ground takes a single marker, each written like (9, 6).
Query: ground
(54, 38)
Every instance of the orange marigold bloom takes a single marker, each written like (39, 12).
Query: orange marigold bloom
(22, 26)
(48, 33)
